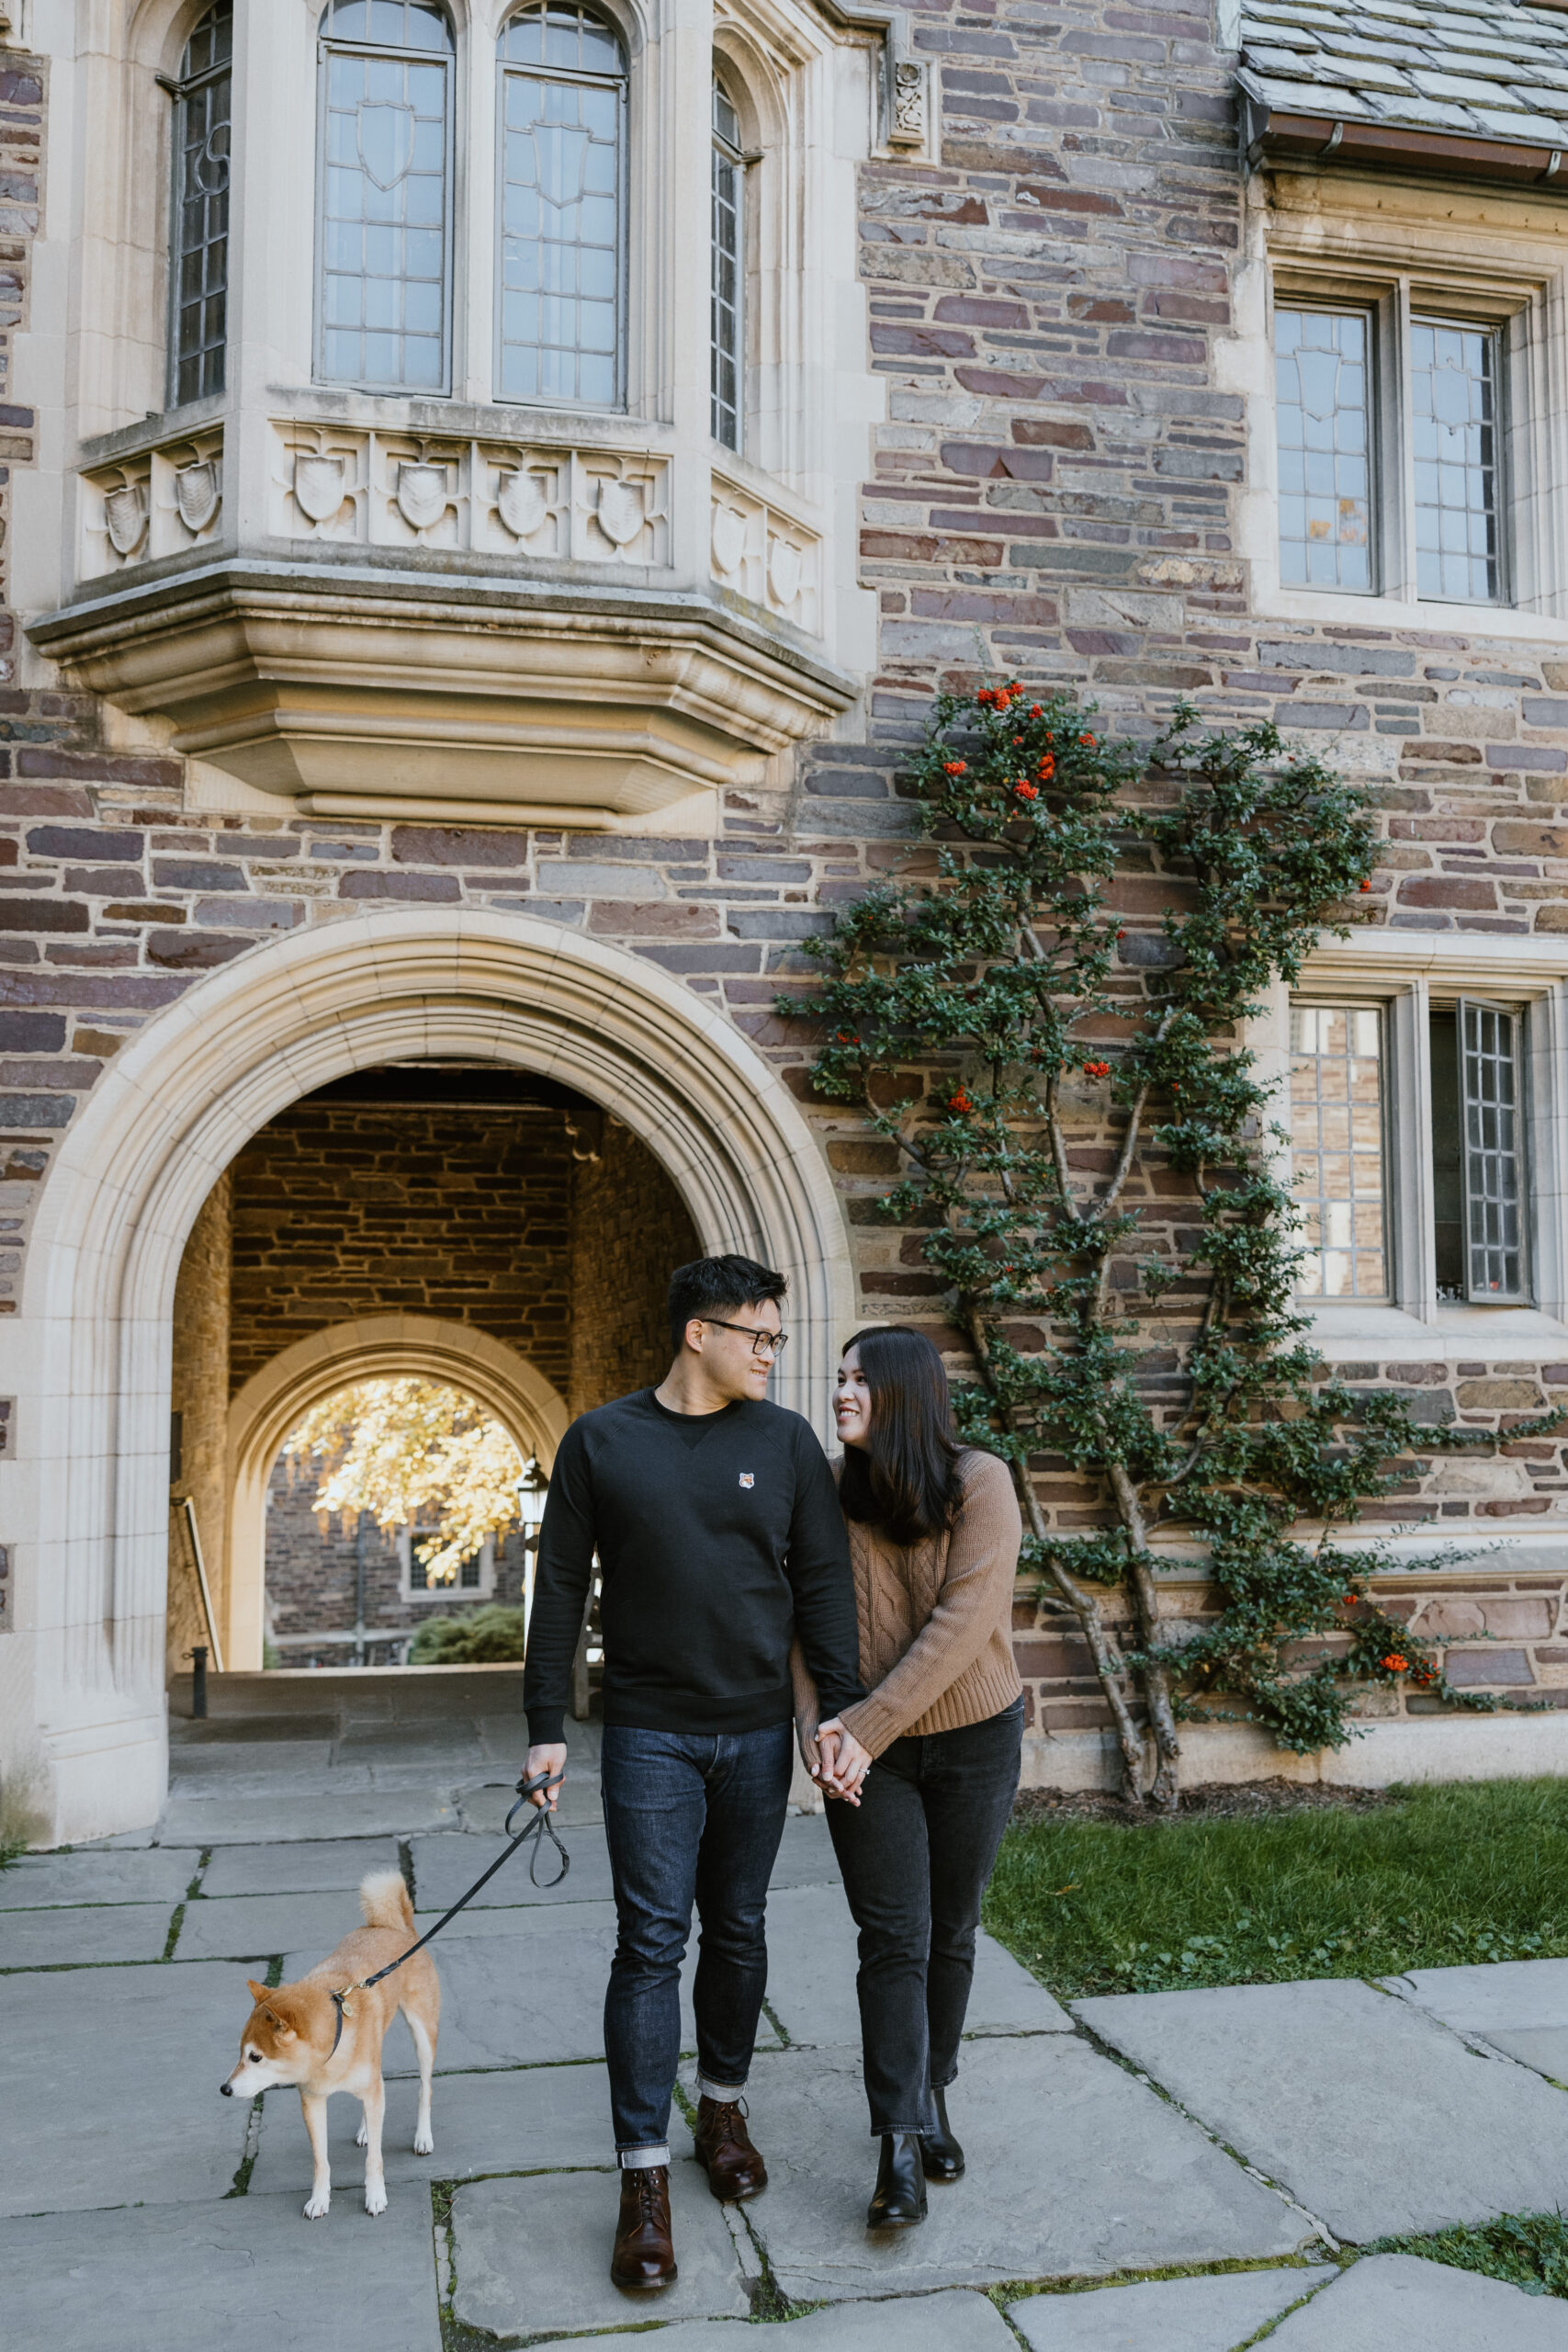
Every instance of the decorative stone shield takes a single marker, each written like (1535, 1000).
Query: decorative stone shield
(384, 136)
(621, 511)
(421, 495)
(784, 570)
(728, 538)
(521, 504)
(198, 490)
(319, 485)
(125, 516)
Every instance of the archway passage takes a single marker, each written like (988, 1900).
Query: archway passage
(468, 1223)
(82, 1680)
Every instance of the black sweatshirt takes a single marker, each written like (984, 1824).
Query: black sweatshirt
(719, 1535)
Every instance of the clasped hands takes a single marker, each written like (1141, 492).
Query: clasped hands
(836, 1760)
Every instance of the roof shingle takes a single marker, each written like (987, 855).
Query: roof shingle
(1490, 69)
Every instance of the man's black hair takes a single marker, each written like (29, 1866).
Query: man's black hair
(717, 1287)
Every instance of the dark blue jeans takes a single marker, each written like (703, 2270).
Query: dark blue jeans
(688, 1820)
(915, 1860)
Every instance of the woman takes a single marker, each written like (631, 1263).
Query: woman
(935, 1534)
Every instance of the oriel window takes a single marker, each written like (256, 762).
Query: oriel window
(561, 231)
(729, 350)
(199, 241)
(385, 195)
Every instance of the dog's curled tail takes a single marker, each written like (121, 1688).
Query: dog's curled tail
(384, 1900)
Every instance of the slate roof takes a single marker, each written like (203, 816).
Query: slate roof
(1478, 68)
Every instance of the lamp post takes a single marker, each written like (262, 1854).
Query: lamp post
(532, 1488)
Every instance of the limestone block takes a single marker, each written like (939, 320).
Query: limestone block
(1393, 2302)
(1164, 2314)
(532, 2255)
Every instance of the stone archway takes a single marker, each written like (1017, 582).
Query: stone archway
(378, 1347)
(89, 1354)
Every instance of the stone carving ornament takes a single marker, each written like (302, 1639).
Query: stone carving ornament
(783, 571)
(521, 503)
(621, 511)
(198, 490)
(728, 538)
(422, 493)
(319, 486)
(125, 516)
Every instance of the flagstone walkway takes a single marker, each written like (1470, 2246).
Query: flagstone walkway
(1253, 2138)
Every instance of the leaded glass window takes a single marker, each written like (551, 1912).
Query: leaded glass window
(385, 194)
(726, 333)
(199, 257)
(1336, 1149)
(561, 232)
(1453, 380)
(1489, 1041)
(1323, 394)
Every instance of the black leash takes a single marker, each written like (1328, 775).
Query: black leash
(538, 1829)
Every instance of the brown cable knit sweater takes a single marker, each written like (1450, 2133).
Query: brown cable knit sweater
(935, 1620)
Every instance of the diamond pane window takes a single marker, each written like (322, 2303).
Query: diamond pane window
(1337, 1145)
(199, 257)
(1322, 389)
(560, 236)
(1453, 380)
(728, 349)
(385, 195)
(1489, 1042)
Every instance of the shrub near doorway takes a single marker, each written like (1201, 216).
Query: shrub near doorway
(488, 1636)
(1441, 1876)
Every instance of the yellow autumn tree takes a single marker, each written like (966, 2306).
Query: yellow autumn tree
(407, 1450)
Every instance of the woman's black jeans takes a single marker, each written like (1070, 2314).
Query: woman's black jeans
(915, 1860)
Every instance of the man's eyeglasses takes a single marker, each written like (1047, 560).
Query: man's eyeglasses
(766, 1344)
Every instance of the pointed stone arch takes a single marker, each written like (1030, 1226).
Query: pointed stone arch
(82, 1680)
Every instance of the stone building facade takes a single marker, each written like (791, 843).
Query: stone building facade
(397, 677)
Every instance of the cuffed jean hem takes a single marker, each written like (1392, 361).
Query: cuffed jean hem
(721, 2091)
(642, 2159)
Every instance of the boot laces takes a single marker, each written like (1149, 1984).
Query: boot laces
(647, 2189)
(725, 2116)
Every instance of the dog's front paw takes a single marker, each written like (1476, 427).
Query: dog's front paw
(375, 2198)
(315, 2211)
(362, 2137)
(424, 2144)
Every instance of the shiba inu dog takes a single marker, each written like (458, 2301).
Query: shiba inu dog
(292, 2036)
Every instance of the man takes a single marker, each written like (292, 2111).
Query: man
(718, 1534)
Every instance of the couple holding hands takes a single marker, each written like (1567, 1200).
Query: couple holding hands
(748, 1600)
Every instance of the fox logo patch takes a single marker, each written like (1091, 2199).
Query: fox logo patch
(748, 1478)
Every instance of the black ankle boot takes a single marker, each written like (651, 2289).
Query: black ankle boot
(898, 2201)
(940, 2156)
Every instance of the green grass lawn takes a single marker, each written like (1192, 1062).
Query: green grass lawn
(1471, 1871)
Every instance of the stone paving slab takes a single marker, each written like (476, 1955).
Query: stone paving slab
(1520, 2006)
(534, 2254)
(311, 1866)
(954, 2321)
(531, 1995)
(1164, 2314)
(248, 2273)
(443, 1867)
(1074, 2168)
(111, 2086)
(230, 1820)
(811, 1976)
(35, 1880)
(196, 1762)
(1377, 2117)
(1393, 2302)
(71, 1939)
(244, 1923)
(530, 2118)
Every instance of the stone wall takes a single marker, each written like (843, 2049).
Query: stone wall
(199, 1397)
(629, 1231)
(460, 1212)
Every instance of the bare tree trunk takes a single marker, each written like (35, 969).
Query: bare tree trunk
(1145, 1602)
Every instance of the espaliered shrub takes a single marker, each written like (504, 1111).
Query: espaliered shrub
(1089, 1161)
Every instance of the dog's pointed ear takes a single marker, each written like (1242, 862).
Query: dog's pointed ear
(257, 1991)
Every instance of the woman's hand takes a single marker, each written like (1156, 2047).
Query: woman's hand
(810, 1754)
(845, 1762)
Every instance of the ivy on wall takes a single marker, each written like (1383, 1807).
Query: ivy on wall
(989, 1025)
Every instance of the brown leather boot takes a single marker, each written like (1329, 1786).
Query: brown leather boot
(643, 2255)
(725, 2152)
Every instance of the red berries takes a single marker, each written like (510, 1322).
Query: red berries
(1088, 740)
(1394, 1663)
(1097, 1070)
(954, 767)
(959, 1103)
(1366, 885)
(1025, 791)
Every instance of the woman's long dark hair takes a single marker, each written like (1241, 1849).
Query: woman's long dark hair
(905, 1478)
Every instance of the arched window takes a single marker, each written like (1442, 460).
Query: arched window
(726, 371)
(561, 232)
(384, 180)
(199, 238)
